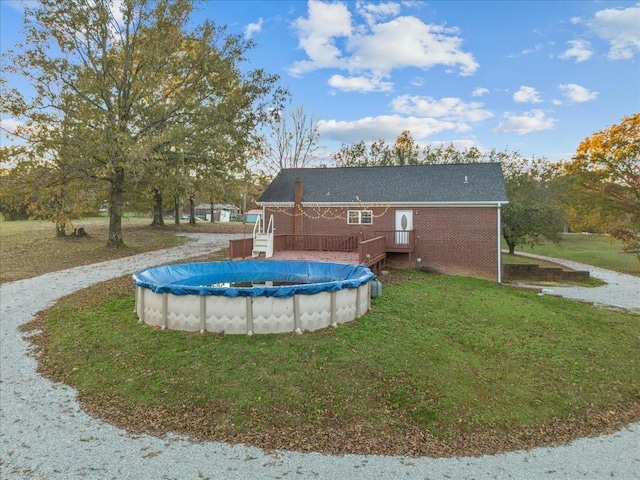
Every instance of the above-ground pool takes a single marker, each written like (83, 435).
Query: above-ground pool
(252, 296)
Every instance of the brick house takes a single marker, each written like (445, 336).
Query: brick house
(439, 218)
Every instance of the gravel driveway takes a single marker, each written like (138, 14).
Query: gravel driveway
(45, 435)
(621, 290)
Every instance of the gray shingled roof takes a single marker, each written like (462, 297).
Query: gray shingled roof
(408, 183)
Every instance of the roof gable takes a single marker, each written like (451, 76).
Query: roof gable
(447, 183)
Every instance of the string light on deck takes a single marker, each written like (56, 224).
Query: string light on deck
(329, 213)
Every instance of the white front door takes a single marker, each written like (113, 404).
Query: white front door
(404, 223)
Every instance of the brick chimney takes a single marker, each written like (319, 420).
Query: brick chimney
(297, 207)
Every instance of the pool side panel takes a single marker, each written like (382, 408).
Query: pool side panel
(152, 308)
(346, 305)
(273, 315)
(183, 312)
(315, 311)
(226, 314)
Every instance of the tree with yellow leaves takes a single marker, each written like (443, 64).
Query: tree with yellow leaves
(605, 176)
(122, 91)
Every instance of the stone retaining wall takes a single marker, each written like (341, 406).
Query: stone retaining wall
(517, 271)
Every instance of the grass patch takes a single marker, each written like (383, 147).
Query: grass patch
(439, 366)
(597, 250)
(30, 248)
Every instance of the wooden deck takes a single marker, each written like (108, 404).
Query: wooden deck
(316, 256)
(330, 248)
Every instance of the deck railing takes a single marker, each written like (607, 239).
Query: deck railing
(371, 251)
(240, 248)
(323, 243)
(398, 240)
(384, 241)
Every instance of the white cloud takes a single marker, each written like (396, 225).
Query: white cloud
(317, 34)
(404, 41)
(385, 127)
(479, 91)
(452, 109)
(373, 12)
(359, 84)
(619, 27)
(534, 49)
(422, 116)
(527, 95)
(9, 124)
(408, 42)
(116, 10)
(580, 50)
(252, 28)
(533, 121)
(576, 93)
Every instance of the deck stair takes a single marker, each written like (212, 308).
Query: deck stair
(263, 239)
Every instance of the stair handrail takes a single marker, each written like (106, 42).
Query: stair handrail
(257, 227)
(269, 231)
(270, 225)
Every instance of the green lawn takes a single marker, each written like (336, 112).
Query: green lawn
(597, 250)
(444, 358)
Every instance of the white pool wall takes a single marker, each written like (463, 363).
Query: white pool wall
(252, 314)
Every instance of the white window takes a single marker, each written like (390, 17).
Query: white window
(363, 217)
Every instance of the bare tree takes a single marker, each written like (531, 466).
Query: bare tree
(291, 142)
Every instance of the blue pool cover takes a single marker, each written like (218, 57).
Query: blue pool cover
(204, 278)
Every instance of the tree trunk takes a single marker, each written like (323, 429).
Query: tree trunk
(158, 218)
(512, 247)
(115, 209)
(176, 210)
(61, 229)
(192, 211)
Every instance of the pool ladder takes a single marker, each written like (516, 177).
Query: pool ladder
(263, 239)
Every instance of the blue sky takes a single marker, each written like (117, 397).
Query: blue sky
(532, 76)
